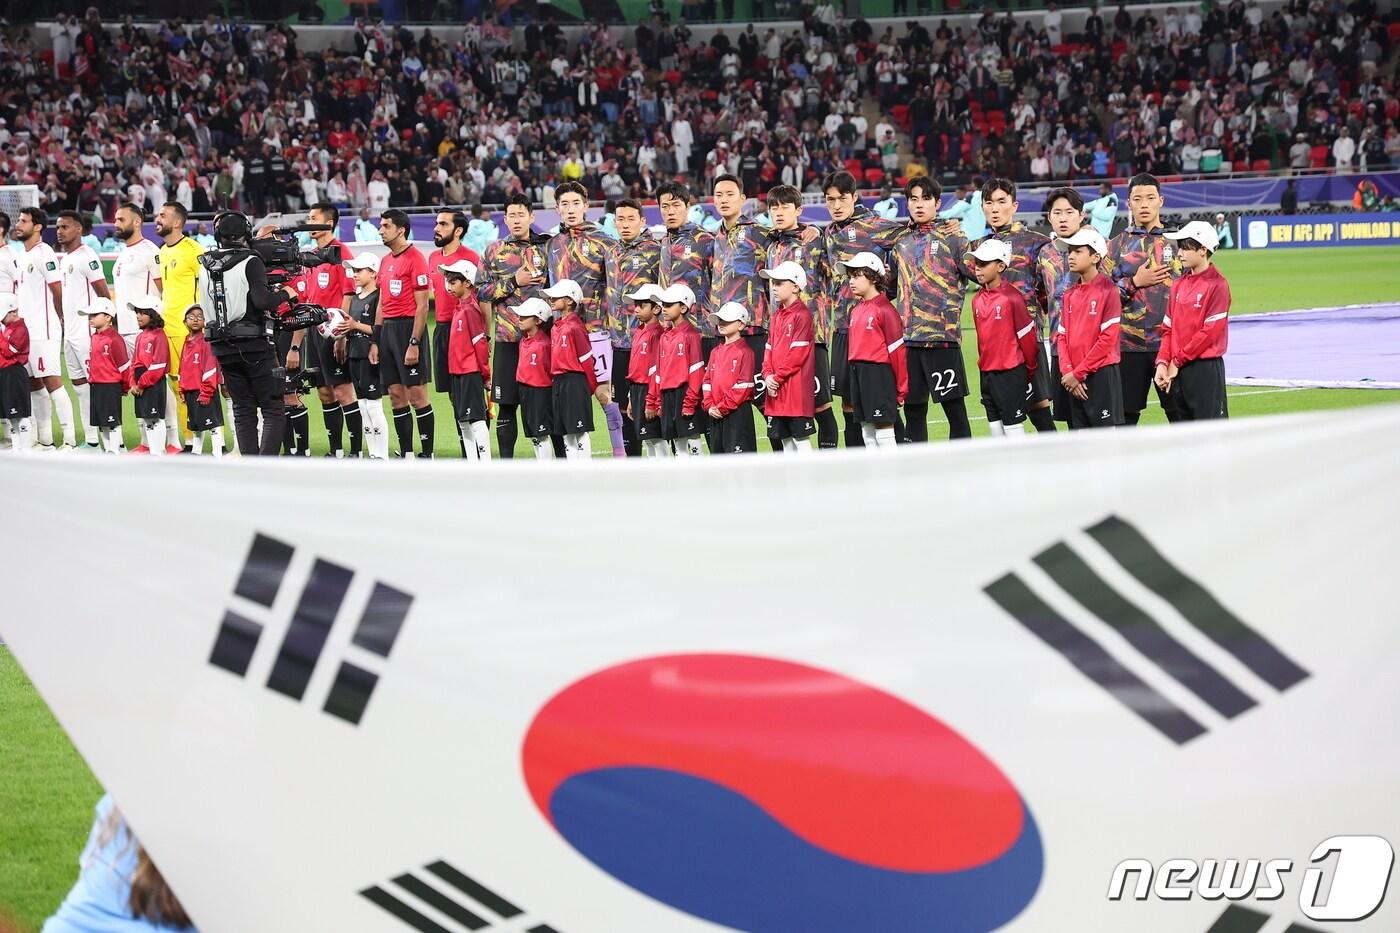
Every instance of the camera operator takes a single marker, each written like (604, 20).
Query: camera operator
(234, 291)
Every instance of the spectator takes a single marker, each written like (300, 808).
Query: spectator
(1344, 151)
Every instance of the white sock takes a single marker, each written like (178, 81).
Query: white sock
(464, 430)
(996, 428)
(141, 427)
(376, 428)
(800, 445)
(884, 438)
(1015, 430)
(63, 407)
(43, 417)
(656, 448)
(694, 446)
(577, 446)
(197, 443)
(172, 416)
(217, 447)
(155, 431)
(867, 432)
(481, 433)
(21, 434)
(85, 412)
(111, 440)
(544, 448)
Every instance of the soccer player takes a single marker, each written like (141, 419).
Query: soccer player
(789, 365)
(109, 374)
(82, 280)
(179, 270)
(674, 396)
(400, 324)
(727, 389)
(685, 255)
(578, 253)
(931, 273)
(533, 376)
(790, 244)
(199, 384)
(641, 367)
(1000, 205)
(571, 364)
(1007, 351)
(1195, 331)
(330, 284)
(136, 271)
(1088, 338)
(516, 269)
(878, 377)
(854, 228)
(740, 250)
(1065, 211)
(1143, 265)
(40, 293)
(15, 399)
(634, 260)
(357, 330)
(148, 368)
(468, 360)
(449, 229)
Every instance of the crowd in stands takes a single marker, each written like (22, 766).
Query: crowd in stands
(217, 113)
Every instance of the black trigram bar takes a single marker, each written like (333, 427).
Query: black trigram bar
(350, 693)
(398, 908)
(542, 928)
(444, 904)
(1012, 594)
(306, 636)
(1143, 632)
(1237, 919)
(235, 643)
(264, 570)
(382, 619)
(475, 890)
(1195, 603)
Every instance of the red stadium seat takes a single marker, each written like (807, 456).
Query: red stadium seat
(1394, 30)
(855, 167)
(874, 177)
(1261, 165)
(900, 112)
(1170, 179)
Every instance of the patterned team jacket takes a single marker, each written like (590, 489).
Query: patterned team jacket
(738, 253)
(1143, 308)
(863, 231)
(581, 254)
(931, 278)
(787, 246)
(503, 259)
(1026, 247)
(629, 266)
(685, 258)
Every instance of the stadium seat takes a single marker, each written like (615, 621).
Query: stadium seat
(900, 112)
(1394, 29)
(874, 177)
(1170, 179)
(1261, 165)
(855, 167)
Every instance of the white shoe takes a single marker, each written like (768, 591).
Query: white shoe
(44, 448)
(66, 449)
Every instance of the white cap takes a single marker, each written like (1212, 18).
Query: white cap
(565, 288)
(732, 311)
(145, 302)
(8, 303)
(993, 250)
(788, 271)
(863, 260)
(646, 292)
(1200, 231)
(1085, 236)
(100, 306)
(365, 260)
(463, 267)
(677, 292)
(534, 307)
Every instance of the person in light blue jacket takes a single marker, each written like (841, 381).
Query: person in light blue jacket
(887, 207)
(1101, 212)
(365, 230)
(481, 231)
(1223, 232)
(967, 209)
(118, 889)
(703, 218)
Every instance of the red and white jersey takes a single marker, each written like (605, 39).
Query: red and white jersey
(38, 269)
(569, 349)
(108, 361)
(728, 377)
(467, 349)
(199, 369)
(789, 357)
(680, 363)
(877, 336)
(401, 278)
(533, 368)
(151, 362)
(135, 273)
(1196, 326)
(14, 343)
(78, 270)
(1005, 331)
(646, 343)
(1091, 320)
(328, 284)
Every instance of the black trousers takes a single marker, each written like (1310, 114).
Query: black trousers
(254, 383)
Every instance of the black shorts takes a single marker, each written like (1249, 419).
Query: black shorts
(14, 392)
(799, 427)
(873, 395)
(573, 404)
(1104, 406)
(537, 411)
(393, 343)
(674, 423)
(822, 389)
(840, 368)
(1059, 395)
(1137, 368)
(758, 343)
(936, 373)
(622, 361)
(105, 405)
(1043, 382)
(319, 353)
(203, 417)
(734, 433)
(150, 404)
(1199, 391)
(468, 397)
(366, 379)
(1006, 395)
(505, 357)
(648, 429)
(442, 334)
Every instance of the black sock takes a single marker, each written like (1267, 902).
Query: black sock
(853, 436)
(631, 442)
(827, 432)
(1131, 418)
(426, 431)
(507, 430)
(558, 441)
(1042, 419)
(355, 424)
(289, 435)
(958, 425)
(916, 418)
(301, 427)
(403, 427)
(901, 436)
(335, 422)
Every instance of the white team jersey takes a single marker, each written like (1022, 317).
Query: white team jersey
(9, 272)
(79, 269)
(135, 273)
(38, 268)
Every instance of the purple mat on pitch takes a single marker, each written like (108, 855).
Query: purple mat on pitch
(1335, 348)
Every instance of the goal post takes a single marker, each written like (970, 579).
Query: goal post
(15, 197)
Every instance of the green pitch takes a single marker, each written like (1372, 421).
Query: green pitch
(47, 794)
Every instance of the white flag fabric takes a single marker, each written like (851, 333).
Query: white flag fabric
(948, 690)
